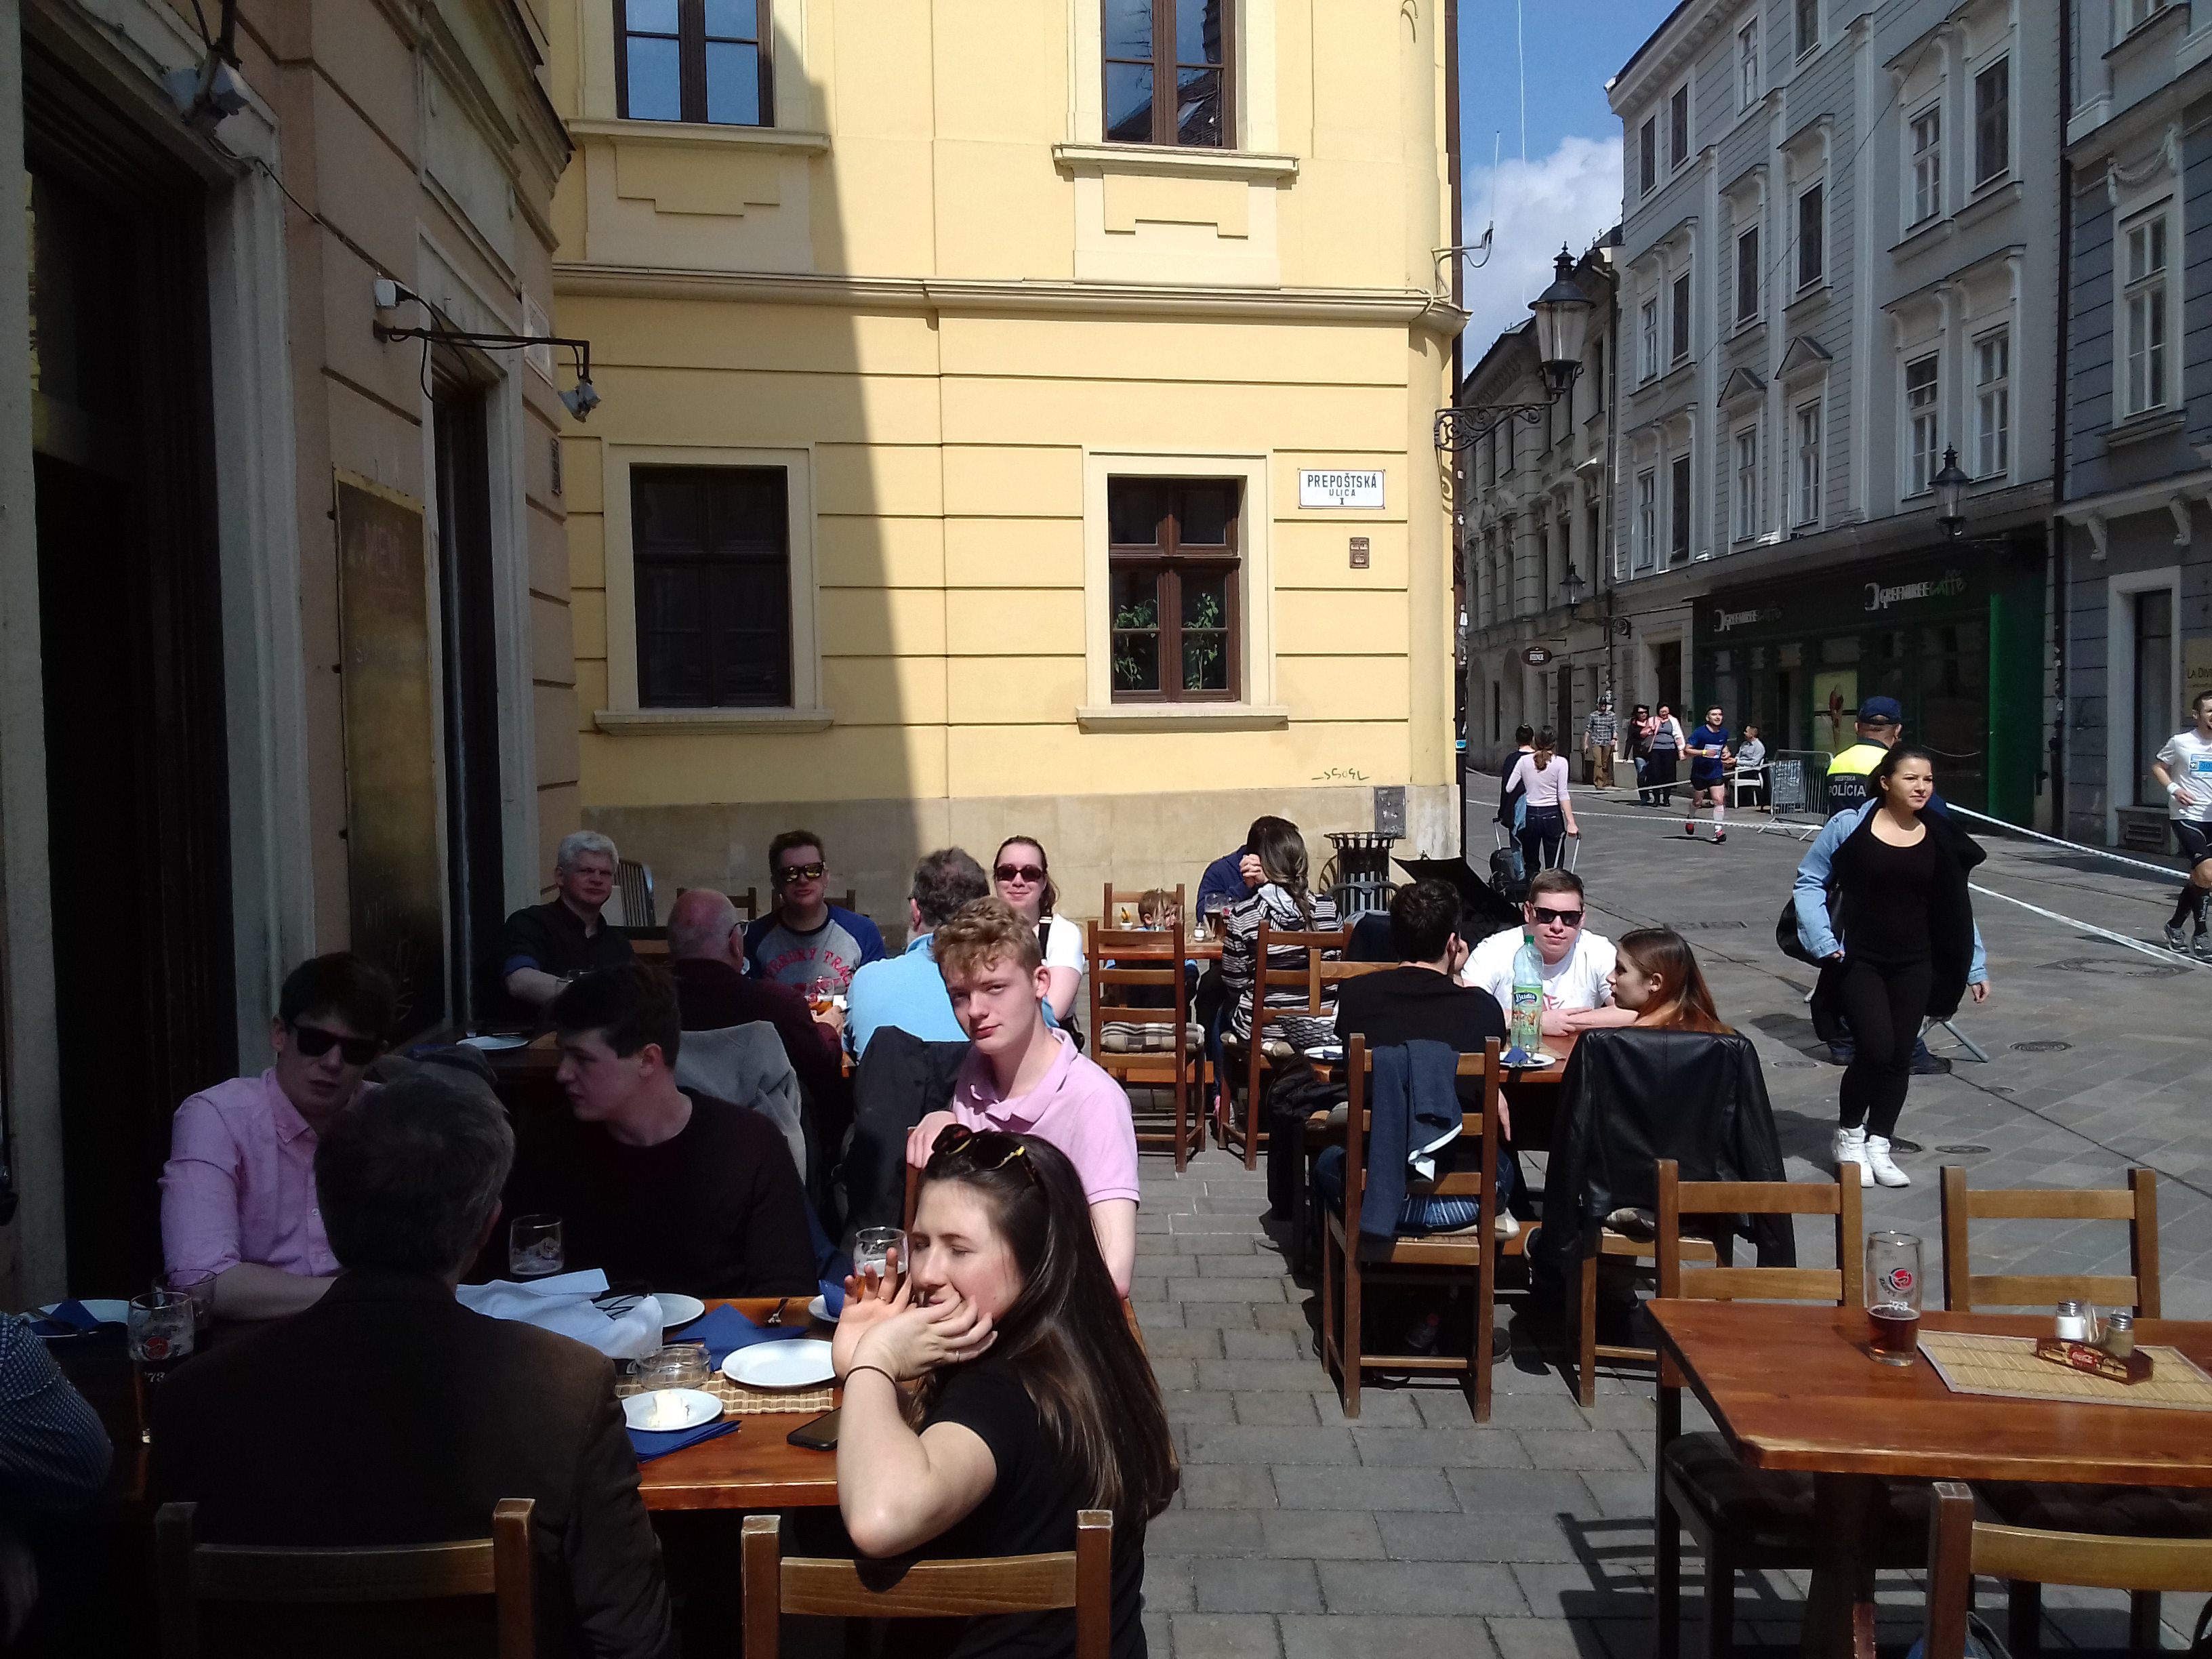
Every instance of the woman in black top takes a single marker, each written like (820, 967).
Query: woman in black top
(1034, 1400)
(1910, 922)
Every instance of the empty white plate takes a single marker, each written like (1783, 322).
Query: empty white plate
(667, 1409)
(819, 1309)
(796, 1365)
(677, 1309)
(496, 1042)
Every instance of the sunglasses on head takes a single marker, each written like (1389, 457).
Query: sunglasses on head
(1563, 918)
(978, 1149)
(792, 873)
(1029, 872)
(314, 1043)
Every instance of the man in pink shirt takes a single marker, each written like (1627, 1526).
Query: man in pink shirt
(238, 1194)
(1026, 1077)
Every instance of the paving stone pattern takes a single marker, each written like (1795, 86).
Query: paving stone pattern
(1299, 1533)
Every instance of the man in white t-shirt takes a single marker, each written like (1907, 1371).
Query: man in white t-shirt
(2183, 769)
(1576, 993)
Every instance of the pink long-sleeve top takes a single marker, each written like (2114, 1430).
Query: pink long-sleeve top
(1546, 787)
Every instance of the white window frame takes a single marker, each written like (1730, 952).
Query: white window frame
(1681, 318)
(1648, 172)
(1747, 64)
(1683, 516)
(623, 712)
(1805, 42)
(1806, 500)
(2144, 370)
(1648, 339)
(1647, 517)
(2129, 15)
(1993, 403)
(1681, 145)
(1747, 483)
(1924, 132)
(1260, 710)
(2121, 589)
(1923, 423)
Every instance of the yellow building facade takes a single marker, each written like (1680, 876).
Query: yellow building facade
(966, 469)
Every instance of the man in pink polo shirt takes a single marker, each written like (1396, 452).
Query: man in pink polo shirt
(238, 1194)
(1026, 1077)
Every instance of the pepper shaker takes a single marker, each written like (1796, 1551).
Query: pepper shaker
(2119, 1334)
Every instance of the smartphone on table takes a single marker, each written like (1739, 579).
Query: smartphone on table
(818, 1435)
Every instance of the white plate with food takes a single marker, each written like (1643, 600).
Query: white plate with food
(663, 1411)
(678, 1309)
(800, 1364)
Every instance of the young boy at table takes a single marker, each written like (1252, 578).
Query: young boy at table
(1025, 1077)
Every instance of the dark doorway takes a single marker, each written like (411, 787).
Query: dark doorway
(1667, 663)
(476, 860)
(1563, 715)
(131, 646)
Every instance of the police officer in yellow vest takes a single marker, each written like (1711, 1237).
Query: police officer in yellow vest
(1881, 723)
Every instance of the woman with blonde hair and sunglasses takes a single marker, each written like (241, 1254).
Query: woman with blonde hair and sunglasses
(1655, 975)
(1032, 1397)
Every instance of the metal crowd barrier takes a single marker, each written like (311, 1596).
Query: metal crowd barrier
(1797, 784)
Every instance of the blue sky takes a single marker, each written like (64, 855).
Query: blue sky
(1570, 189)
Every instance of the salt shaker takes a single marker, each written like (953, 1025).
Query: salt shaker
(2073, 1323)
(2119, 1334)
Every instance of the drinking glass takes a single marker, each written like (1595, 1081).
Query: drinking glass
(534, 1247)
(873, 1249)
(158, 1333)
(822, 994)
(1892, 1293)
(199, 1288)
(678, 1366)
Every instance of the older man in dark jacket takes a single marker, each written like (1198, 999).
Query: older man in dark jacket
(388, 1413)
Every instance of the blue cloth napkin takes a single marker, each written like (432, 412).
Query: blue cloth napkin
(833, 1298)
(71, 1318)
(658, 1443)
(726, 1329)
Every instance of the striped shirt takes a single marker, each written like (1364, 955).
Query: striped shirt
(1240, 950)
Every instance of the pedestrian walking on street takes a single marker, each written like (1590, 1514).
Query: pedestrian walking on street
(1911, 952)
(1512, 806)
(1708, 748)
(1639, 736)
(1667, 743)
(1541, 776)
(2184, 771)
(1598, 737)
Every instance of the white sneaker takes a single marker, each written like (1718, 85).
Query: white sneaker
(1884, 1168)
(1851, 1149)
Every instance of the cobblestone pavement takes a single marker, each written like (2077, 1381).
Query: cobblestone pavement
(1413, 1530)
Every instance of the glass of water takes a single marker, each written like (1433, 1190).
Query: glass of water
(875, 1250)
(534, 1247)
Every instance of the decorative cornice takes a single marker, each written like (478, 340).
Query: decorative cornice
(1403, 307)
(699, 135)
(1174, 161)
(1804, 355)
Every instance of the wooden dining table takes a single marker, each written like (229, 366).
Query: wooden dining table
(758, 1467)
(1795, 1386)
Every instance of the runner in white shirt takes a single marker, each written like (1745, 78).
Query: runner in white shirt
(2184, 769)
(1577, 994)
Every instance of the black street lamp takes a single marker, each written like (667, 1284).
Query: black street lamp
(1951, 495)
(1562, 319)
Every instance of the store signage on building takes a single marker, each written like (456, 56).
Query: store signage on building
(1340, 490)
(1535, 656)
(1724, 618)
(1878, 598)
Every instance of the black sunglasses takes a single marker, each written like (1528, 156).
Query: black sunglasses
(980, 1149)
(1564, 917)
(314, 1043)
(1029, 872)
(792, 873)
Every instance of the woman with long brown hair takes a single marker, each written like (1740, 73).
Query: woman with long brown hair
(1034, 1400)
(1022, 875)
(1656, 974)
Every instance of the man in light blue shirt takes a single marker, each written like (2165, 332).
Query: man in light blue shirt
(906, 990)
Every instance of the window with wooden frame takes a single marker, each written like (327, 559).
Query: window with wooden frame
(693, 60)
(1181, 45)
(1175, 560)
(711, 553)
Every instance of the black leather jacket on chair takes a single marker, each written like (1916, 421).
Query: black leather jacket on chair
(1630, 1098)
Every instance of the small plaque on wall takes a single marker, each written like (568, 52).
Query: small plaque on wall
(1359, 553)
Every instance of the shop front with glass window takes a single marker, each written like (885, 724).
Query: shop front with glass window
(1955, 636)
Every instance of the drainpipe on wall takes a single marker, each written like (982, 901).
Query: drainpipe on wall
(2056, 547)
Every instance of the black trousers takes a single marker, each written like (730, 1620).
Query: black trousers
(1659, 778)
(1885, 1002)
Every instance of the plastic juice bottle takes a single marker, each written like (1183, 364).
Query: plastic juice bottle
(1528, 1030)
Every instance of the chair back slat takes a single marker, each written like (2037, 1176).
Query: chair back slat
(1843, 1283)
(1146, 959)
(501, 1566)
(1110, 907)
(1316, 945)
(1081, 1578)
(2136, 1203)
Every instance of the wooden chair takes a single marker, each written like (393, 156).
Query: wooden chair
(1131, 897)
(1160, 1045)
(1588, 1349)
(1743, 1518)
(1081, 1578)
(1318, 973)
(635, 883)
(188, 1573)
(2136, 1205)
(1959, 1546)
(1433, 1260)
(1964, 1290)
(748, 901)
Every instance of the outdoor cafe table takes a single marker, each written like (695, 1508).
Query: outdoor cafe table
(1794, 1387)
(758, 1467)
